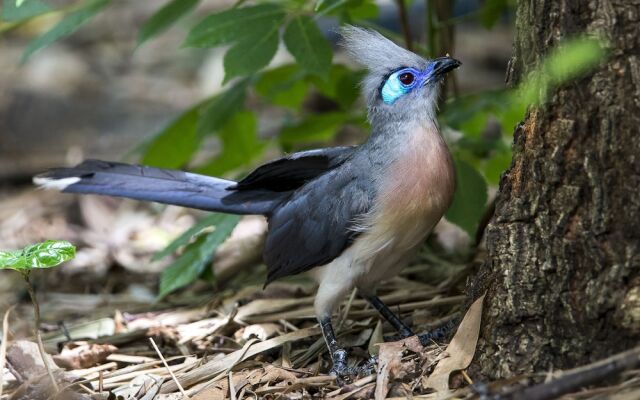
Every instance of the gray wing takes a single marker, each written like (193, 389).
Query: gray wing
(315, 225)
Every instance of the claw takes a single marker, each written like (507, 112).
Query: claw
(345, 374)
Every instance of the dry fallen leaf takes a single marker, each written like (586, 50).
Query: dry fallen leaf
(26, 361)
(272, 373)
(460, 350)
(390, 363)
(219, 390)
(376, 339)
(261, 331)
(80, 355)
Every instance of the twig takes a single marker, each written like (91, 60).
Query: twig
(36, 309)
(232, 388)
(343, 316)
(577, 378)
(184, 395)
(3, 346)
(466, 377)
(240, 354)
(404, 23)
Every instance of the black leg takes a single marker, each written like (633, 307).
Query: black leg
(404, 331)
(390, 316)
(338, 354)
(340, 368)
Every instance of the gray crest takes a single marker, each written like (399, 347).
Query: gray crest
(378, 54)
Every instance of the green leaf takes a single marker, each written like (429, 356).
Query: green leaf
(174, 146)
(188, 236)
(496, 165)
(197, 255)
(314, 128)
(470, 198)
(307, 44)
(325, 7)
(253, 32)
(162, 19)
(573, 58)
(235, 24)
(363, 9)
(217, 111)
(511, 116)
(570, 60)
(469, 113)
(342, 85)
(41, 255)
(348, 10)
(69, 24)
(13, 10)
(240, 144)
(283, 86)
(251, 53)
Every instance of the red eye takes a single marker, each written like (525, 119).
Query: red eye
(406, 78)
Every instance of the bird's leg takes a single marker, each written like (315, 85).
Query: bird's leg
(404, 331)
(340, 369)
(338, 354)
(389, 315)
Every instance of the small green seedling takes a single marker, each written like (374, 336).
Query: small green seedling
(36, 256)
(41, 255)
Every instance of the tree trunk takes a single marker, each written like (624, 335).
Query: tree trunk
(563, 268)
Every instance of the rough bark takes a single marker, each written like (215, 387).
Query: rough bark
(563, 269)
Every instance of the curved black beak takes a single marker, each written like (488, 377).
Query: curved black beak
(442, 65)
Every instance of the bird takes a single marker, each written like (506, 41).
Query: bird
(350, 216)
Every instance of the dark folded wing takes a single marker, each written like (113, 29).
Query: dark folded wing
(293, 171)
(316, 224)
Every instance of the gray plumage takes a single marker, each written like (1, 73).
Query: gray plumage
(351, 215)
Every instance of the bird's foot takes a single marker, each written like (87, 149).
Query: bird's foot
(438, 334)
(345, 374)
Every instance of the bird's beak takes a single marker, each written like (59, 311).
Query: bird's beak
(440, 66)
(443, 65)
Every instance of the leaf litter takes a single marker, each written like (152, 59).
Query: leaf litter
(236, 341)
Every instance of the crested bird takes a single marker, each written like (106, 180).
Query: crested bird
(350, 216)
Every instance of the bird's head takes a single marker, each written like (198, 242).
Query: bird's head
(399, 83)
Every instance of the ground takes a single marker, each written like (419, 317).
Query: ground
(229, 340)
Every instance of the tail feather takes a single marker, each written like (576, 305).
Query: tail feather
(159, 185)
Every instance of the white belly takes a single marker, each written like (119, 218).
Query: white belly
(364, 265)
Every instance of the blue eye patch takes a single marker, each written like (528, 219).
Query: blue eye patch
(402, 82)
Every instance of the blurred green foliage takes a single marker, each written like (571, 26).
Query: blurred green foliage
(481, 123)
(16, 11)
(199, 244)
(67, 25)
(164, 18)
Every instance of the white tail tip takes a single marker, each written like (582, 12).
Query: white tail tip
(55, 184)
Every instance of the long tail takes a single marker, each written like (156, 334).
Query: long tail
(159, 185)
